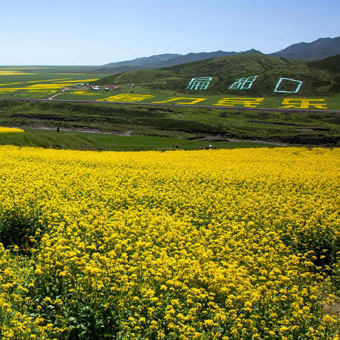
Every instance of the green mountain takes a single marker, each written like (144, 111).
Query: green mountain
(331, 63)
(138, 62)
(318, 49)
(192, 57)
(114, 70)
(224, 71)
(166, 60)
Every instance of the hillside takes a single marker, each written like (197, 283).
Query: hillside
(192, 57)
(318, 49)
(144, 61)
(225, 70)
(114, 70)
(167, 60)
(173, 122)
(331, 63)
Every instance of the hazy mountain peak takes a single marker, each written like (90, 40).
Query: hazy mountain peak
(145, 60)
(252, 51)
(318, 49)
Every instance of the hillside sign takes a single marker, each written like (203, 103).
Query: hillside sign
(202, 83)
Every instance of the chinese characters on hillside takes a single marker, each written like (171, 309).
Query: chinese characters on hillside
(303, 103)
(289, 85)
(298, 84)
(201, 83)
(287, 103)
(243, 83)
(246, 102)
(284, 85)
(178, 100)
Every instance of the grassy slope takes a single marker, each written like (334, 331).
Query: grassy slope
(108, 142)
(332, 102)
(224, 70)
(323, 128)
(331, 63)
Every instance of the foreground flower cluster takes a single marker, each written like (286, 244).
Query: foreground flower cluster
(10, 130)
(218, 244)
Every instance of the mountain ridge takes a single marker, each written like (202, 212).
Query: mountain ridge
(315, 50)
(153, 62)
(144, 60)
(318, 49)
(266, 72)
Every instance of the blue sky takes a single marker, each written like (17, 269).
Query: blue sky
(73, 32)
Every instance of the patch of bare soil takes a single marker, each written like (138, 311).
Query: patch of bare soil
(333, 308)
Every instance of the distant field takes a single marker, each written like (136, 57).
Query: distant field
(175, 122)
(97, 141)
(45, 82)
(39, 82)
(170, 122)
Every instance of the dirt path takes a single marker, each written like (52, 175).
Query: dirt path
(55, 95)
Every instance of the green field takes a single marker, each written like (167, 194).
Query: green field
(39, 82)
(170, 121)
(175, 122)
(258, 76)
(320, 90)
(170, 97)
(109, 142)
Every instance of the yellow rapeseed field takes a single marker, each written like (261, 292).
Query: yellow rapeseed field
(45, 86)
(33, 81)
(4, 90)
(211, 244)
(79, 81)
(10, 130)
(13, 73)
(84, 93)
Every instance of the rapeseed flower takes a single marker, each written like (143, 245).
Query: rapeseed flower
(219, 244)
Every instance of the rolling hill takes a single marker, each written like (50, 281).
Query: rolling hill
(331, 63)
(166, 60)
(318, 79)
(154, 59)
(318, 49)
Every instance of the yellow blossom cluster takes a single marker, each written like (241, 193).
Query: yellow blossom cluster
(13, 73)
(10, 130)
(45, 86)
(79, 81)
(206, 244)
(84, 93)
